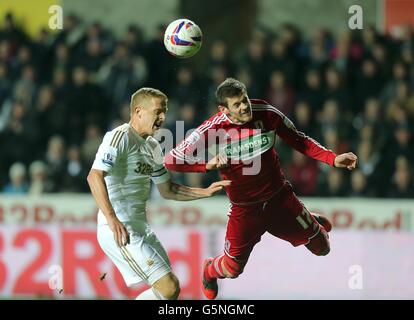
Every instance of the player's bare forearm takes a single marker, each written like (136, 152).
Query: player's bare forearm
(100, 193)
(174, 191)
(184, 193)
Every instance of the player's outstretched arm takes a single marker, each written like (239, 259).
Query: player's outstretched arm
(346, 160)
(174, 191)
(99, 191)
(301, 142)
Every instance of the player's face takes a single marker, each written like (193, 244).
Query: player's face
(239, 109)
(152, 116)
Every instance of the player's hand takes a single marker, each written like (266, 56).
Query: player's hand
(218, 162)
(216, 187)
(346, 160)
(121, 234)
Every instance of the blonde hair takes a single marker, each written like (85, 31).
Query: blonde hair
(142, 95)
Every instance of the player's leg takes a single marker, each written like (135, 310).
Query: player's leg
(142, 260)
(323, 221)
(319, 244)
(289, 220)
(244, 229)
(128, 270)
(219, 267)
(164, 283)
(166, 288)
(224, 266)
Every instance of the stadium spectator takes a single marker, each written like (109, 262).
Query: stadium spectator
(312, 92)
(74, 176)
(256, 60)
(62, 82)
(303, 174)
(402, 181)
(368, 158)
(303, 118)
(55, 160)
(91, 141)
(334, 185)
(19, 136)
(336, 90)
(359, 185)
(368, 84)
(5, 83)
(185, 88)
(279, 60)
(17, 176)
(219, 56)
(39, 181)
(279, 93)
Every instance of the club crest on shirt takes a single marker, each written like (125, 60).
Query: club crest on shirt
(108, 159)
(150, 262)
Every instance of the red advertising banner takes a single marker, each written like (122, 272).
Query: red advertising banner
(50, 261)
(398, 13)
(58, 262)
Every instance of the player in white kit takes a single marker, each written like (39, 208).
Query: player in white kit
(127, 159)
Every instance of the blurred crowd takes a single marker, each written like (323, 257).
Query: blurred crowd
(60, 92)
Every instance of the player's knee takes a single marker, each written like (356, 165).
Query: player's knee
(169, 288)
(231, 268)
(319, 245)
(323, 250)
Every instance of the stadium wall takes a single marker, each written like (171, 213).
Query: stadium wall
(345, 213)
(48, 249)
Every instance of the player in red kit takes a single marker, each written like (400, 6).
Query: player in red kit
(261, 198)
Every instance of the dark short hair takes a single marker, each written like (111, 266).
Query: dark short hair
(229, 88)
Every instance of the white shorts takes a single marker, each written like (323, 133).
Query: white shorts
(143, 259)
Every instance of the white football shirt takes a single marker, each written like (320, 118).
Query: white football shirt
(130, 162)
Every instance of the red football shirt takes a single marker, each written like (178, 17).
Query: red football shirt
(254, 165)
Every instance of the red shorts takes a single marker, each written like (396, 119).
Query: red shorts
(283, 216)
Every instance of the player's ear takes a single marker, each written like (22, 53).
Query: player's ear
(137, 109)
(223, 109)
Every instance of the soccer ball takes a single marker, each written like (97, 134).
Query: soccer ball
(183, 38)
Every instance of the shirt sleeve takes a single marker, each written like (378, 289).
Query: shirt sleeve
(188, 156)
(159, 174)
(110, 151)
(299, 141)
